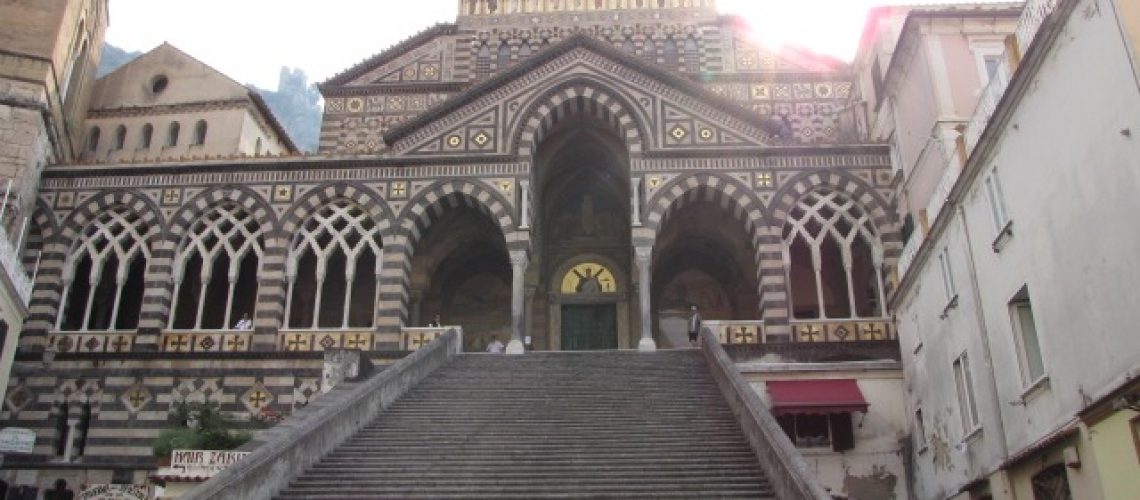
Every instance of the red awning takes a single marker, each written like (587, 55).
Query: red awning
(820, 396)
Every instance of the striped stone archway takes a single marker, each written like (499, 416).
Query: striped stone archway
(854, 188)
(735, 198)
(423, 211)
(578, 96)
(272, 286)
(166, 247)
(47, 296)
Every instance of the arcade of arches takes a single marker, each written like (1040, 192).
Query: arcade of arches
(581, 285)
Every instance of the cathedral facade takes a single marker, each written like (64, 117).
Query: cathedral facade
(557, 175)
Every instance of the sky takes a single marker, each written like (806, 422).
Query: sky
(250, 40)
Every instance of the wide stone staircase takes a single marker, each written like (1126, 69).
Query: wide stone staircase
(554, 425)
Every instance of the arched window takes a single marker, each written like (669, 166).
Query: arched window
(692, 56)
(145, 136)
(257, 147)
(120, 137)
(649, 49)
(1052, 483)
(172, 135)
(833, 258)
(504, 54)
(215, 269)
(524, 50)
(334, 269)
(483, 61)
(103, 278)
(62, 430)
(93, 139)
(76, 70)
(669, 52)
(200, 133)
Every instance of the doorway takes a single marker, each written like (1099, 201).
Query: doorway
(589, 327)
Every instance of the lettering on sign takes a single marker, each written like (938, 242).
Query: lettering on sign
(17, 440)
(204, 462)
(116, 492)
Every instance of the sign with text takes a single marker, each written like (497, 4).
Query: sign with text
(17, 440)
(116, 492)
(204, 462)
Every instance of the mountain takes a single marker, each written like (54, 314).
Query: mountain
(113, 57)
(297, 105)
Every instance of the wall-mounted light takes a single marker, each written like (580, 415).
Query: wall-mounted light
(1127, 402)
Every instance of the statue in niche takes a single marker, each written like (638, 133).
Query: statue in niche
(589, 224)
(588, 283)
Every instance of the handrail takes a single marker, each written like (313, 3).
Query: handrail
(789, 474)
(1033, 15)
(286, 450)
(10, 259)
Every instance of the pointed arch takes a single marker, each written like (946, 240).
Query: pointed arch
(795, 187)
(319, 196)
(833, 257)
(579, 95)
(103, 276)
(337, 234)
(730, 194)
(217, 259)
(196, 206)
(428, 205)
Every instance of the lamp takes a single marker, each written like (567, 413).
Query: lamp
(48, 356)
(1127, 402)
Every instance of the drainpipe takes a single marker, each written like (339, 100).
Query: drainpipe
(988, 358)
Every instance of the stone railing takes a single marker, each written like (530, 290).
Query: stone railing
(842, 330)
(414, 338)
(910, 251)
(283, 452)
(83, 342)
(1032, 16)
(789, 474)
(322, 340)
(206, 341)
(737, 331)
(14, 267)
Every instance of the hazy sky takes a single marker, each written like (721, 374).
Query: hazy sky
(250, 40)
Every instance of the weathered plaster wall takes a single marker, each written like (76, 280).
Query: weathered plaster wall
(1068, 162)
(873, 469)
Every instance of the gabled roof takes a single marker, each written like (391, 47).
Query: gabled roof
(389, 55)
(578, 41)
(120, 89)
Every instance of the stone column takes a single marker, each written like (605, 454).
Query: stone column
(524, 204)
(519, 261)
(642, 256)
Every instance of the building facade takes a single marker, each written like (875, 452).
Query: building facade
(1013, 306)
(166, 105)
(575, 175)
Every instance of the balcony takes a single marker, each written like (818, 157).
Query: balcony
(1032, 17)
(14, 268)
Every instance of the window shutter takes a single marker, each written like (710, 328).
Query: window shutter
(842, 434)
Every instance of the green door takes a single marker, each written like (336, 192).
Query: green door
(589, 327)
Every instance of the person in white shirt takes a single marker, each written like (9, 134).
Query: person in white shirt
(496, 347)
(244, 323)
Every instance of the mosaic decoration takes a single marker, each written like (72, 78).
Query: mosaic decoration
(206, 342)
(841, 331)
(324, 340)
(92, 342)
(136, 397)
(588, 278)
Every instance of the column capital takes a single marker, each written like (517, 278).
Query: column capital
(519, 258)
(643, 252)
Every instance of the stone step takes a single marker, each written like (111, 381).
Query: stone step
(548, 425)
